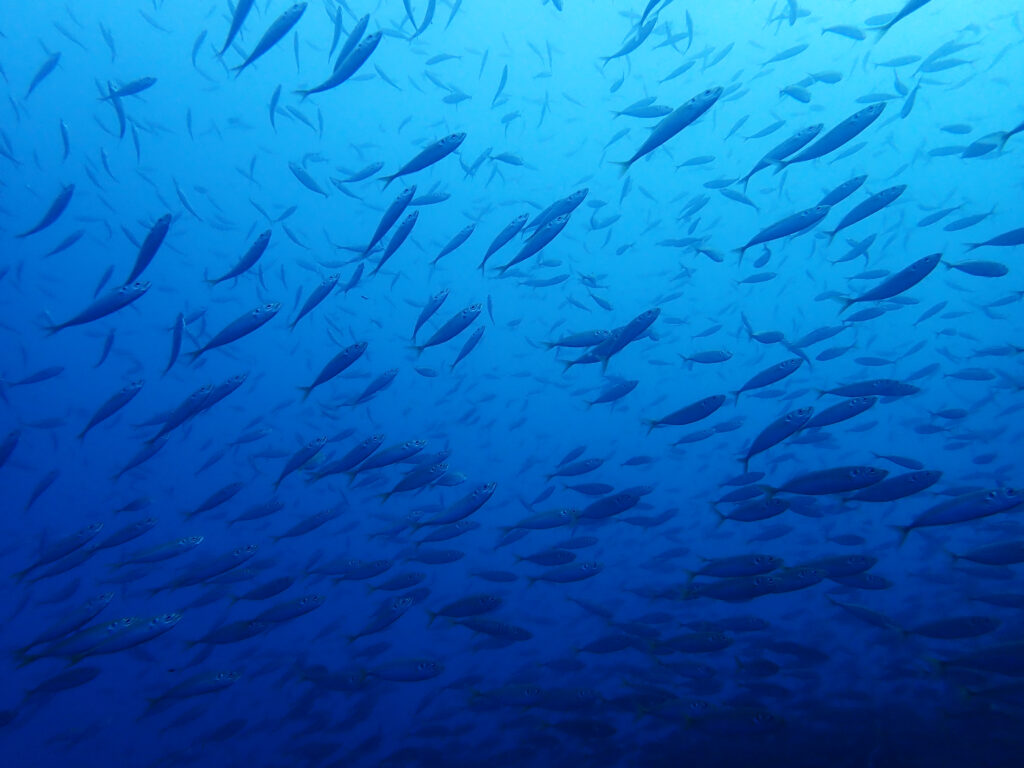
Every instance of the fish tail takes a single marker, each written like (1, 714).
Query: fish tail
(651, 424)
(418, 347)
(721, 518)
(624, 166)
(388, 179)
(972, 246)
(305, 393)
(847, 303)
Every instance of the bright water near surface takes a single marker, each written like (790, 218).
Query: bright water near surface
(664, 410)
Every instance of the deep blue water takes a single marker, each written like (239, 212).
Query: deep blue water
(528, 577)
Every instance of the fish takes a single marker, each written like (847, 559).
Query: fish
(335, 366)
(872, 205)
(238, 17)
(841, 134)
(248, 259)
(794, 224)
(239, 328)
(53, 213)
(105, 305)
(908, 8)
(965, 507)
(794, 143)
(390, 216)
(346, 67)
(278, 28)
(434, 153)
(780, 429)
(540, 238)
(673, 123)
(451, 328)
(315, 298)
(898, 283)
(112, 405)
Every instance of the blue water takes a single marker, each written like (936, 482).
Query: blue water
(599, 602)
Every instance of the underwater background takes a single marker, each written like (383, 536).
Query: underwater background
(415, 383)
